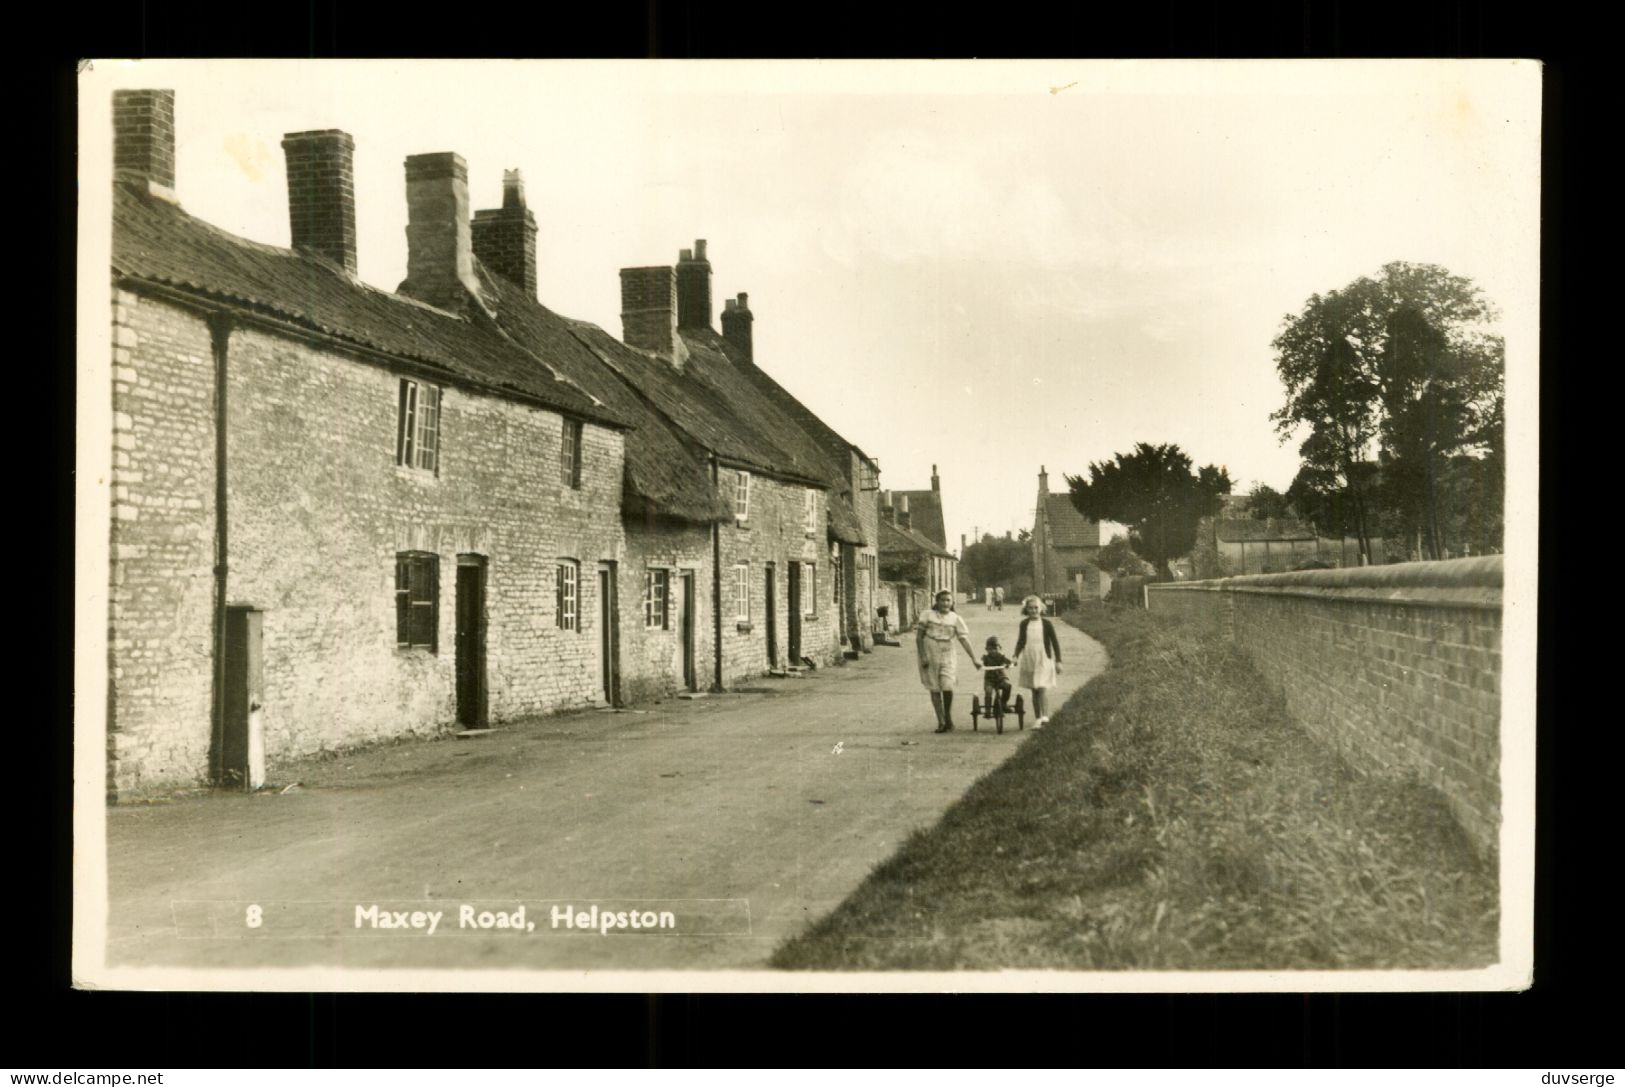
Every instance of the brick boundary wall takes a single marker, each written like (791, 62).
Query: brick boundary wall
(1398, 667)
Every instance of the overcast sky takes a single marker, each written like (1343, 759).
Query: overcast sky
(987, 267)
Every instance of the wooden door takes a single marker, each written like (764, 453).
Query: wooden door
(470, 650)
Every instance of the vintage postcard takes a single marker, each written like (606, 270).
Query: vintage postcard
(807, 526)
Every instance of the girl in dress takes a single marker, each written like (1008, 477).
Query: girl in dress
(1038, 656)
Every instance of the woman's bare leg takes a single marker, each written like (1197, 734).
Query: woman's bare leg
(936, 704)
(1039, 702)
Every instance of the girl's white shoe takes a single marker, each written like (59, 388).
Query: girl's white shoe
(1040, 722)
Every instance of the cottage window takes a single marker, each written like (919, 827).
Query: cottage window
(742, 497)
(742, 592)
(810, 512)
(570, 454)
(417, 438)
(656, 595)
(568, 585)
(417, 599)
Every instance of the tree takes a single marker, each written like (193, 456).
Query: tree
(1118, 559)
(1265, 503)
(1154, 492)
(996, 560)
(1408, 360)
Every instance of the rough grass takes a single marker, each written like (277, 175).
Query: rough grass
(1171, 817)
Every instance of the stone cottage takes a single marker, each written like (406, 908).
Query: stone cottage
(342, 514)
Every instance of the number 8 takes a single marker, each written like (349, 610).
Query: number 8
(255, 917)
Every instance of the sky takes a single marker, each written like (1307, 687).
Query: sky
(984, 266)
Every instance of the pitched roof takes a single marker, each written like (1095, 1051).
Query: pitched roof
(156, 242)
(1068, 527)
(896, 538)
(665, 473)
(711, 365)
(925, 514)
(1251, 530)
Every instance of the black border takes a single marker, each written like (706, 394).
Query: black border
(1556, 1024)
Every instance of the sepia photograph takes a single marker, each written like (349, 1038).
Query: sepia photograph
(768, 526)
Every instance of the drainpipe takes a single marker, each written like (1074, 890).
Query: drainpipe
(716, 584)
(219, 336)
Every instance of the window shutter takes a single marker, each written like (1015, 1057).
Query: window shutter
(558, 595)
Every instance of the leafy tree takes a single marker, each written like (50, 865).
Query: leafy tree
(1407, 360)
(996, 560)
(1154, 492)
(1265, 503)
(1118, 559)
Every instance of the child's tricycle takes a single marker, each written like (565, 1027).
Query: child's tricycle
(993, 707)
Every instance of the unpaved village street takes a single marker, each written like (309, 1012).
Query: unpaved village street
(745, 815)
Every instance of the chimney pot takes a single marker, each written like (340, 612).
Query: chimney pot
(513, 189)
(321, 194)
(439, 245)
(504, 238)
(144, 139)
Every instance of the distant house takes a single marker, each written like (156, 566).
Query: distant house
(1252, 545)
(1065, 545)
(913, 567)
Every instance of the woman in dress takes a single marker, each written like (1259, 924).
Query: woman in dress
(1038, 656)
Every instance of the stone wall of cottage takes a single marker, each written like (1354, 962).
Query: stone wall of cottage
(651, 643)
(773, 536)
(1398, 667)
(317, 511)
(161, 592)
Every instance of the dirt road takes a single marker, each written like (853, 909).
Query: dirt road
(742, 817)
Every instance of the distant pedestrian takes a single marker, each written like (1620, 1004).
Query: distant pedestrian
(1038, 656)
(998, 597)
(934, 638)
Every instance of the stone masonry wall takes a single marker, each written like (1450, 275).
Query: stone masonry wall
(161, 608)
(1398, 667)
(317, 511)
(651, 657)
(775, 533)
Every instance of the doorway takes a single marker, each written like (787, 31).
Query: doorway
(771, 595)
(470, 648)
(794, 612)
(609, 637)
(685, 628)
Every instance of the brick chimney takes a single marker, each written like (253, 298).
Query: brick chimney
(505, 237)
(649, 313)
(439, 246)
(1043, 481)
(321, 194)
(902, 512)
(694, 287)
(936, 484)
(736, 320)
(144, 140)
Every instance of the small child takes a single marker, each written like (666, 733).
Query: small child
(994, 682)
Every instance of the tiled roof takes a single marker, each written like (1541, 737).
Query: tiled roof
(155, 242)
(664, 472)
(1250, 530)
(1068, 527)
(925, 514)
(895, 538)
(773, 430)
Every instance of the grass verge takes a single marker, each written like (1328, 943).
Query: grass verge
(1171, 817)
